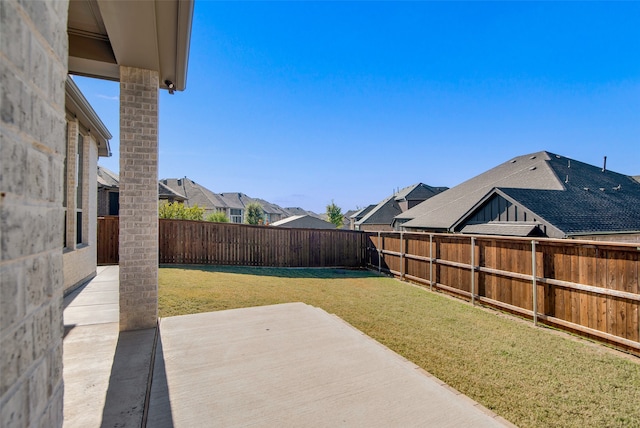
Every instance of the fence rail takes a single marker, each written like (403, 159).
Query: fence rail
(198, 242)
(587, 287)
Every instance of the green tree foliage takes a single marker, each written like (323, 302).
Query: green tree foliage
(254, 214)
(334, 213)
(178, 211)
(218, 217)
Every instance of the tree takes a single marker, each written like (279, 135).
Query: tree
(254, 214)
(218, 217)
(178, 211)
(334, 213)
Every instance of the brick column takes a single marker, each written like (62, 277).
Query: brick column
(138, 198)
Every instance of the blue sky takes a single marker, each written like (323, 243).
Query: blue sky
(301, 103)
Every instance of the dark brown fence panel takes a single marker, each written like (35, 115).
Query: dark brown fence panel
(195, 242)
(107, 240)
(587, 287)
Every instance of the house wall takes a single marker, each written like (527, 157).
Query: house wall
(79, 260)
(499, 209)
(103, 202)
(33, 69)
(412, 203)
(375, 227)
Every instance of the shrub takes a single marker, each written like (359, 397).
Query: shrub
(218, 217)
(178, 211)
(254, 214)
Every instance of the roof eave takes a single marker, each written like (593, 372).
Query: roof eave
(78, 105)
(152, 35)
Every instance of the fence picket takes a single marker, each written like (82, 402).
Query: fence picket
(591, 288)
(583, 286)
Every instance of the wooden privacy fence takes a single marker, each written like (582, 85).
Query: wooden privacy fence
(107, 240)
(200, 242)
(586, 287)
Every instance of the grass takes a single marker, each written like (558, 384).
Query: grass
(531, 376)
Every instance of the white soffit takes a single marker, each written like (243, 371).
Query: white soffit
(148, 34)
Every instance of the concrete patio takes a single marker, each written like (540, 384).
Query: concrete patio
(282, 365)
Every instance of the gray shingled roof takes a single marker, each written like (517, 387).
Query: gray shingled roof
(443, 210)
(304, 222)
(361, 213)
(107, 178)
(203, 197)
(111, 180)
(593, 202)
(574, 197)
(292, 211)
(418, 191)
(270, 208)
(382, 213)
(235, 200)
(387, 209)
(194, 193)
(503, 229)
(165, 192)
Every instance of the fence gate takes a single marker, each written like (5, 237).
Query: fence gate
(108, 229)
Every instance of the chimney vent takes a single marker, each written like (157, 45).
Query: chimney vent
(604, 166)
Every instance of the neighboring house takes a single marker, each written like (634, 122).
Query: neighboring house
(109, 193)
(197, 194)
(539, 194)
(347, 224)
(304, 222)
(233, 204)
(379, 217)
(87, 138)
(238, 202)
(272, 212)
(358, 215)
(291, 211)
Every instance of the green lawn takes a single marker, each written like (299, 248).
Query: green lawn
(533, 377)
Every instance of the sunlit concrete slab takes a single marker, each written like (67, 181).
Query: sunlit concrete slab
(293, 365)
(106, 375)
(105, 372)
(88, 357)
(95, 302)
(95, 314)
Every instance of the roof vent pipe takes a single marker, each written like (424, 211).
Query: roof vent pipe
(604, 166)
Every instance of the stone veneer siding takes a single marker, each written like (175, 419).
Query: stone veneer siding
(33, 69)
(138, 198)
(79, 260)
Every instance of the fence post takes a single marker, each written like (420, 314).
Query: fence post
(401, 257)
(431, 262)
(379, 253)
(534, 282)
(473, 270)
